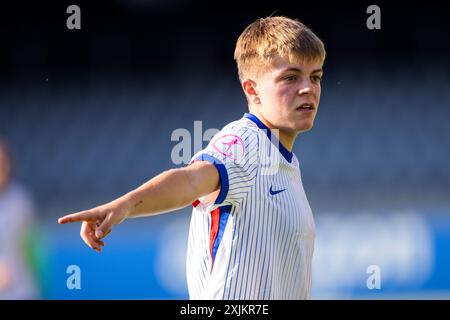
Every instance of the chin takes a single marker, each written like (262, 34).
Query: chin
(305, 126)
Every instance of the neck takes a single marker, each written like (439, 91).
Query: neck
(287, 139)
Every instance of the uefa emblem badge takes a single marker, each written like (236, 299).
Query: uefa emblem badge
(231, 146)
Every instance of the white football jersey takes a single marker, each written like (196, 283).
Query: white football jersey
(255, 240)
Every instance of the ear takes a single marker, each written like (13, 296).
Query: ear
(250, 90)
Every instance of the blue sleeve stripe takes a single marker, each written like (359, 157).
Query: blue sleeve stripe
(223, 175)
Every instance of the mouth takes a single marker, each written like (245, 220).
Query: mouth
(306, 107)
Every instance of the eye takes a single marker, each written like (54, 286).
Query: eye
(290, 78)
(316, 78)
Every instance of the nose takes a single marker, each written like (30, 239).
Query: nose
(306, 87)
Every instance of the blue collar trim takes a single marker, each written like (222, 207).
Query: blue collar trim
(285, 152)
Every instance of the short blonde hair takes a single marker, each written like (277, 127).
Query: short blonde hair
(268, 37)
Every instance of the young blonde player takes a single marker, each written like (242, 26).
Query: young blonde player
(252, 230)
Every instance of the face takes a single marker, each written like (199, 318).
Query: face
(288, 94)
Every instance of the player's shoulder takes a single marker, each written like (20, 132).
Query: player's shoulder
(243, 127)
(236, 140)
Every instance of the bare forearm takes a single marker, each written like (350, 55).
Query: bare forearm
(167, 191)
(170, 190)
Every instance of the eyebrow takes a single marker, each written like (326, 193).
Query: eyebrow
(299, 70)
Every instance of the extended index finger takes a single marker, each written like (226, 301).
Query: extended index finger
(86, 215)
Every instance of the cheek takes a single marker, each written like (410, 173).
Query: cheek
(277, 96)
(285, 95)
(272, 96)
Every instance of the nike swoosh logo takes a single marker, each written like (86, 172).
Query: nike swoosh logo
(274, 192)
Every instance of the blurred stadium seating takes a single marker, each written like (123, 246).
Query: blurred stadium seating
(84, 142)
(381, 141)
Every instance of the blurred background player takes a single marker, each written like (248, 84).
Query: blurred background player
(17, 279)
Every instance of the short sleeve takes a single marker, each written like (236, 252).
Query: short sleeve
(233, 151)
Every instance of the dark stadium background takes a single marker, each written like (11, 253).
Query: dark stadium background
(89, 114)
